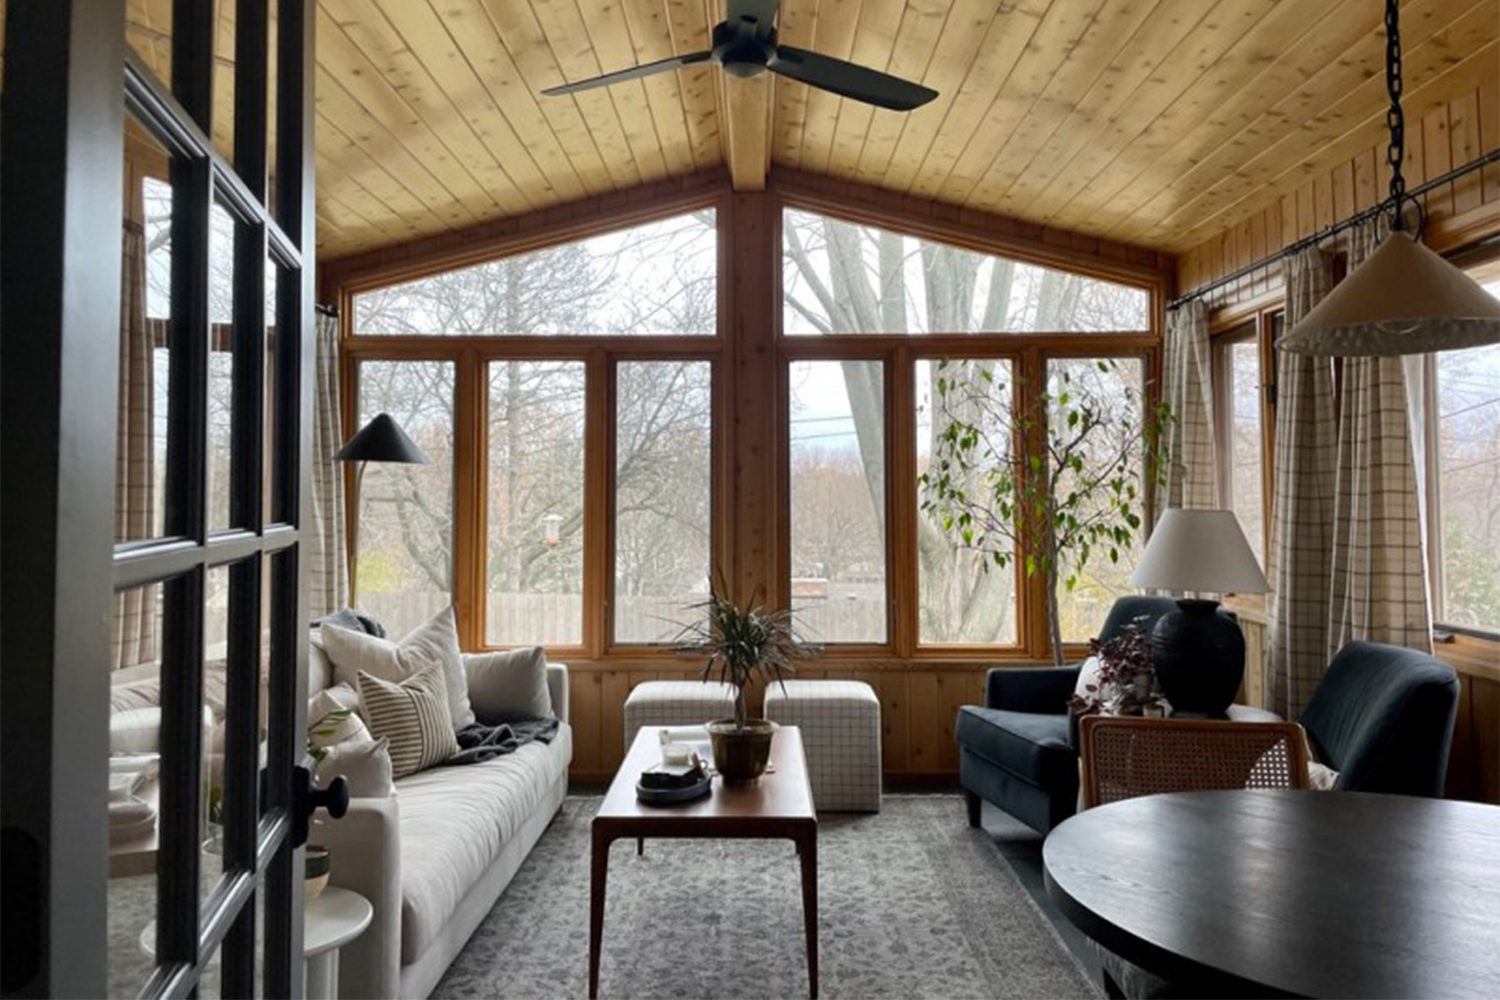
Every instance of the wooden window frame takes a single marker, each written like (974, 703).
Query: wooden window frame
(750, 355)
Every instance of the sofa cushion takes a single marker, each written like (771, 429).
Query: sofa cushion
(454, 822)
(1031, 746)
(434, 641)
(413, 715)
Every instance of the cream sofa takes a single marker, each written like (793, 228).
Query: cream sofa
(434, 857)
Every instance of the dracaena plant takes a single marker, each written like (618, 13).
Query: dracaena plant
(1057, 482)
(742, 642)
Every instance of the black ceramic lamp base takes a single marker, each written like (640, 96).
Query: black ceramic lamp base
(1199, 658)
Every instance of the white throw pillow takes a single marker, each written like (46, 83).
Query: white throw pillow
(365, 765)
(509, 683)
(339, 698)
(434, 641)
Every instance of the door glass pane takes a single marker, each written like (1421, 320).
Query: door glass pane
(656, 278)
(134, 763)
(535, 493)
(405, 565)
(223, 78)
(663, 495)
(1468, 446)
(148, 30)
(145, 339)
(1245, 443)
(1112, 387)
(215, 679)
(221, 238)
(964, 597)
(842, 277)
(837, 484)
(269, 467)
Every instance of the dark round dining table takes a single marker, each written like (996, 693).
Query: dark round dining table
(1293, 893)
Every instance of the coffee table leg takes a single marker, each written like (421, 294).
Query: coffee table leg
(807, 850)
(598, 879)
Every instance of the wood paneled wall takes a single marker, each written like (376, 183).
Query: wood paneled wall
(1448, 136)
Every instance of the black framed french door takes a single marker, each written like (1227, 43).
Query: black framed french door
(156, 452)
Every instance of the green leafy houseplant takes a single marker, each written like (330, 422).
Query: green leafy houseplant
(742, 642)
(1056, 483)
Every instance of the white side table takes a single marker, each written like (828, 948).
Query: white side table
(332, 920)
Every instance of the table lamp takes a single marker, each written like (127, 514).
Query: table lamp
(1200, 654)
(380, 440)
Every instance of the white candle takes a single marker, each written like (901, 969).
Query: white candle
(676, 754)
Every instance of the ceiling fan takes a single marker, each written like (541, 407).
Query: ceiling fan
(745, 46)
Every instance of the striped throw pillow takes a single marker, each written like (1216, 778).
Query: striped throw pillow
(413, 715)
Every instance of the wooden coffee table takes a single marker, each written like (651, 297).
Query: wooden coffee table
(779, 805)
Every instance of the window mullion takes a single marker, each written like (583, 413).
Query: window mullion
(469, 477)
(599, 504)
(901, 501)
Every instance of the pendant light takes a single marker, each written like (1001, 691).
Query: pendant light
(1404, 299)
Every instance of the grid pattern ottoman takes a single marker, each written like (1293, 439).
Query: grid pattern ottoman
(840, 722)
(676, 703)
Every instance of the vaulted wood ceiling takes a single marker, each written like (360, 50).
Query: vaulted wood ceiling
(1160, 122)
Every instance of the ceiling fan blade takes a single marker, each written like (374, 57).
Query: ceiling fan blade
(762, 11)
(849, 79)
(633, 73)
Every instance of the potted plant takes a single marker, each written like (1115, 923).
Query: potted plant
(742, 642)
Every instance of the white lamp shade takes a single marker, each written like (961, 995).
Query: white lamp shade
(1200, 550)
(1404, 299)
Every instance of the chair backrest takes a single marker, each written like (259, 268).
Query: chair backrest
(1382, 716)
(1127, 755)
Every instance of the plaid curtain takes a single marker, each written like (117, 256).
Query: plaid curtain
(1379, 582)
(1187, 387)
(327, 581)
(1303, 516)
(135, 624)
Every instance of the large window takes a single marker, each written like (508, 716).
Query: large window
(585, 487)
(1115, 385)
(663, 495)
(848, 413)
(657, 278)
(1239, 391)
(405, 530)
(841, 277)
(963, 596)
(1467, 485)
(836, 474)
(535, 503)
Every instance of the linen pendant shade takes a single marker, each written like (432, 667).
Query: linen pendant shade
(1404, 299)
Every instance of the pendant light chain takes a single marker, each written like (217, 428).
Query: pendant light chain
(1395, 121)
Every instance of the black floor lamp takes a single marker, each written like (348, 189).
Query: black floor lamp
(380, 440)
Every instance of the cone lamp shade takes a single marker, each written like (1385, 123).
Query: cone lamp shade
(1404, 299)
(381, 440)
(1199, 550)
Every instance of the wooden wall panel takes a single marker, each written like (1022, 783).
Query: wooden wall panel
(1454, 133)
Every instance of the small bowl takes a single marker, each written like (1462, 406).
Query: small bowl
(317, 870)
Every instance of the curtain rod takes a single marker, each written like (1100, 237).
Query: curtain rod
(1493, 156)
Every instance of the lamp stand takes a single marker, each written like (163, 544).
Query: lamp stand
(351, 557)
(1199, 658)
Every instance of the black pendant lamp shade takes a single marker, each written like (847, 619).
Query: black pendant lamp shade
(381, 440)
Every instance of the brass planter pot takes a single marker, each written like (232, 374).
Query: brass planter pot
(741, 755)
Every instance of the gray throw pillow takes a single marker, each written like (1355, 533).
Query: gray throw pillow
(364, 764)
(510, 683)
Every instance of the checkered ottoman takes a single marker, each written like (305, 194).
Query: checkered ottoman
(840, 722)
(676, 703)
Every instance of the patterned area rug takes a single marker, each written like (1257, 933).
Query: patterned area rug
(913, 903)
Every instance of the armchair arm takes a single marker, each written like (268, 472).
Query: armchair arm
(557, 688)
(1039, 690)
(365, 857)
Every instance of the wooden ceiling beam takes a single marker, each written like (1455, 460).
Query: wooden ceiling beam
(745, 110)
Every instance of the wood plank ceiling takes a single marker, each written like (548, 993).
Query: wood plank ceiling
(1159, 122)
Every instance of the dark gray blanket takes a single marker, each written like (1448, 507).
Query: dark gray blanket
(499, 735)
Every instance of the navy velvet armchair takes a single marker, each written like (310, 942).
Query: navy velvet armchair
(1015, 750)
